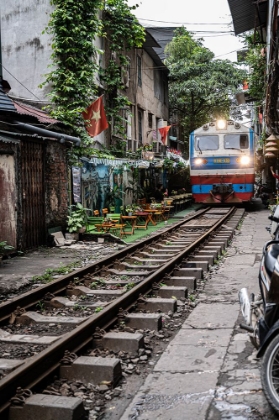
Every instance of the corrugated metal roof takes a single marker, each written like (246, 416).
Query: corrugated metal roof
(6, 104)
(37, 113)
(247, 14)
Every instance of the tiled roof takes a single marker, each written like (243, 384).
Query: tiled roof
(41, 116)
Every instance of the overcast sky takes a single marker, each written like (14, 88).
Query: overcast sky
(195, 15)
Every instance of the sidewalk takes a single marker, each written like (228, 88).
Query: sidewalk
(209, 370)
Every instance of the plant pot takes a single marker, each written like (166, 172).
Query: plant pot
(82, 230)
(130, 213)
(74, 236)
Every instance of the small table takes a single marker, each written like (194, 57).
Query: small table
(151, 212)
(142, 219)
(131, 222)
(104, 227)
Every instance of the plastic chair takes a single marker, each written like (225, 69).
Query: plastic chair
(105, 212)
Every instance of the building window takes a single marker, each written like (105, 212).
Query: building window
(139, 72)
(150, 119)
(140, 121)
(154, 146)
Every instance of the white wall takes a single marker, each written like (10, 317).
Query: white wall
(25, 50)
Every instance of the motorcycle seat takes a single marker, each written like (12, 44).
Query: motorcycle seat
(270, 258)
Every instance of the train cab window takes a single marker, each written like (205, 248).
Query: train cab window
(236, 141)
(206, 143)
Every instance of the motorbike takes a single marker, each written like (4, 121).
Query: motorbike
(261, 315)
(263, 192)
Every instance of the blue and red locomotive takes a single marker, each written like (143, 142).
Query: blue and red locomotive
(222, 165)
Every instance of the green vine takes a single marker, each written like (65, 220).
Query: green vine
(74, 25)
(122, 32)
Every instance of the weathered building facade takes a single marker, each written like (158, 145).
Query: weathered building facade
(35, 165)
(33, 180)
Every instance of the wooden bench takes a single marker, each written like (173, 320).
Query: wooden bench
(92, 221)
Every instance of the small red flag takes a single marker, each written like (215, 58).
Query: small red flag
(164, 132)
(96, 118)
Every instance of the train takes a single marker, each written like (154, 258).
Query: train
(222, 163)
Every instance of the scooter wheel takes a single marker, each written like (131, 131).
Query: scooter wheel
(270, 373)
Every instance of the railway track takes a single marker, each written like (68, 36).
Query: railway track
(104, 306)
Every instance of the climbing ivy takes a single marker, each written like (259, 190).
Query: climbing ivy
(123, 32)
(74, 25)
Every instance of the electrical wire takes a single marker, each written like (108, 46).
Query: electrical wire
(19, 81)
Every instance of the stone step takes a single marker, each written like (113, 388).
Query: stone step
(158, 304)
(8, 365)
(6, 337)
(62, 302)
(30, 317)
(213, 253)
(147, 267)
(222, 244)
(142, 321)
(196, 264)
(163, 257)
(188, 272)
(42, 406)
(178, 292)
(85, 291)
(217, 248)
(121, 341)
(128, 273)
(201, 257)
(218, 238)
(161, 251)
(189, 282)
(147, 261)
(93, 370)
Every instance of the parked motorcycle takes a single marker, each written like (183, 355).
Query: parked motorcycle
(261, 315)
(263, 192)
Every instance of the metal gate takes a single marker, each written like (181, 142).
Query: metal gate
(8, 200)
(33, 198)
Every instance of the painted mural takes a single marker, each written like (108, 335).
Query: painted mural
(101, 187)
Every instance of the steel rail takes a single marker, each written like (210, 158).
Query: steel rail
(31, 298)
(39, 367)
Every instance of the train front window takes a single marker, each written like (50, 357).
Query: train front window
(236, 141)
(206, 143)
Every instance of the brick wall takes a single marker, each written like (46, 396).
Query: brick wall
(56, 184)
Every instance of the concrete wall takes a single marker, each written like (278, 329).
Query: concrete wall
(25, 50)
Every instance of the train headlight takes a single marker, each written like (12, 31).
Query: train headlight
(244, 160)
(221, 124)
(199, 161)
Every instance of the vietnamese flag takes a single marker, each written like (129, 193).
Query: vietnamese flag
(96, 118)
(164, 132)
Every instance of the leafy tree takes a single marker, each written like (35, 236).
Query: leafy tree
(256, 60)
(200, 87)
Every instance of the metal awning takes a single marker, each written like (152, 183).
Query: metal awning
(248, 14)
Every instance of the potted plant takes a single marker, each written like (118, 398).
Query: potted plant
(77, 219)
(4, 248)
(129, 209)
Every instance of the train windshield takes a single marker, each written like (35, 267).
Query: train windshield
(207, 143)
(236, 141)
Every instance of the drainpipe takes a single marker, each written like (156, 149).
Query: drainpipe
(47, 133)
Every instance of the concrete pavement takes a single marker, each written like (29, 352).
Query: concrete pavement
(209, 370)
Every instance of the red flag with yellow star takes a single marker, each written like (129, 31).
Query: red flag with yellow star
(164, 132)
(95, 117)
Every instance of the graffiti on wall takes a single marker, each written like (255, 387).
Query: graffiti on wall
(99, 182)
